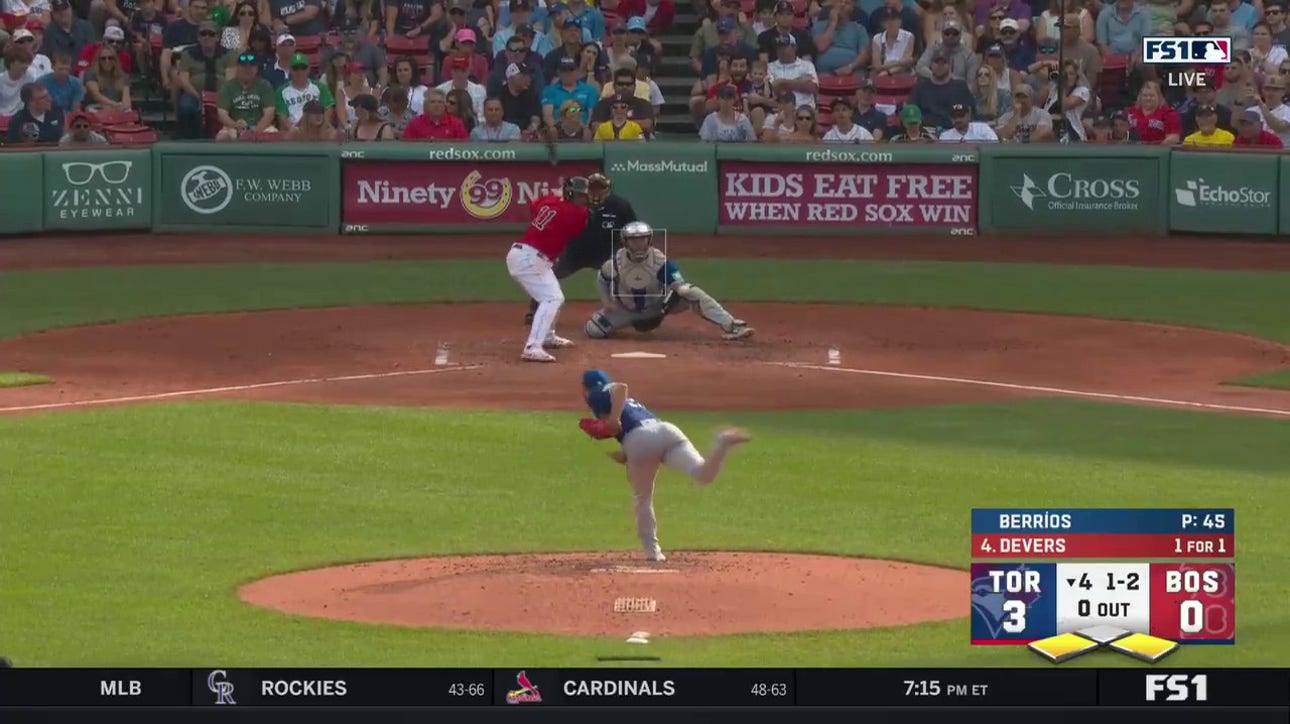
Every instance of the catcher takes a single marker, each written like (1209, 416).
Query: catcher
(590, 249)
(640, 286)
(647, 443)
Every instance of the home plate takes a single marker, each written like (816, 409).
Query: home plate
(638, 355)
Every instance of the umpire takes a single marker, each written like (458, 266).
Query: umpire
(598, 241)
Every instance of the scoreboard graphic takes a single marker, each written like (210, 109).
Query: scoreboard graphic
(1137, 581)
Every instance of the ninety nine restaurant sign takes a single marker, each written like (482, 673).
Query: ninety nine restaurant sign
(923, 196)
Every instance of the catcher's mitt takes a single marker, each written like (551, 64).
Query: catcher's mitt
(596, 428)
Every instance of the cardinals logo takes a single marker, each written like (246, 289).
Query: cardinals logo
(526, 694)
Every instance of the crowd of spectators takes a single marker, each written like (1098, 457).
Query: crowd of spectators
(347, 69)
(770, 71)
(982, 71)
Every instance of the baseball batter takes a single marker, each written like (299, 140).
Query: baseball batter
(640, 286)
(556, 219)
(595, 245)
(647, 443)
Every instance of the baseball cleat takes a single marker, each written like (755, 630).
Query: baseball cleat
(739, 331)
(534, 354)
(656, 556)
(557, 342)
(733, 436)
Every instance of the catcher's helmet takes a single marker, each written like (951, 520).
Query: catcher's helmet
(575, 185)
(598, 186)
(637, 238)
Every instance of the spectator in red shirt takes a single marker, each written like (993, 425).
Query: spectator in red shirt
(743, 86)
(1250, 131)
(463, 46)
(114, 37)
(658, 14)
(435, 124)
(1154, 121)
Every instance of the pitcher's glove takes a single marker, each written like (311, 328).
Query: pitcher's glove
(596, 428)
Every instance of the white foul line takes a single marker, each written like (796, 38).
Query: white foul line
(1038, 388)
(235, 388)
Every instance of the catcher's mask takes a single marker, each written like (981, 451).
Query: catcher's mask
(576, 189)
(598, 186)
(637, 238)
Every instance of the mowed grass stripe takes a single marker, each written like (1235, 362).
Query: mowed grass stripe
(130, 550)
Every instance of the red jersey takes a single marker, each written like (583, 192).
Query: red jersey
(555, 222)
(1153, 127)
(1266, 138)
(425, 128)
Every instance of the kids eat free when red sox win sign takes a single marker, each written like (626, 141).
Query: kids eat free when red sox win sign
(756, 193)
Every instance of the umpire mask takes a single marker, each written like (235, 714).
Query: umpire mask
(637, 238)
(598, 186)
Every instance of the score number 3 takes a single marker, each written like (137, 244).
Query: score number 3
(1015, 621)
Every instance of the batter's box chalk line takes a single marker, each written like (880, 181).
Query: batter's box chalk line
(1115, 397)
(238, 388)
(635, 605)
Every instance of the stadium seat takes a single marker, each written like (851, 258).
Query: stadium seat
(894, 85)
(403, 45)
(839, 85)
(801, 23)
(824, 117)
(611, 18)
(113, 117)
(4, 126)
(131, 134)
(748, 7)
(308, 43)
(800, 7)
(1113, 86)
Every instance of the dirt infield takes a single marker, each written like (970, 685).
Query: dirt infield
(102, 249)
(695, 594)
(905, 356)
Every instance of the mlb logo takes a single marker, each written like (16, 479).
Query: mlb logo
(1186, 51)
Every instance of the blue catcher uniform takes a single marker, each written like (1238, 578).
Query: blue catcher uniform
(639, 286)
(649, 443)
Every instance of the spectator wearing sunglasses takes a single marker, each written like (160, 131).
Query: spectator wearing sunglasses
(246, 103)
(106, 84)
(960, 60)
(202, 68)
(298, 92)
(619, 127)
(80, 132)
(638, 109)
(29, 39)
(519, 52)
(114, 40)
(1275, 15)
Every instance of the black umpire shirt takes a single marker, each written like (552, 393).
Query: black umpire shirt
(599, 239)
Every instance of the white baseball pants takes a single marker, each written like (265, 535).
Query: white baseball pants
(533, 272)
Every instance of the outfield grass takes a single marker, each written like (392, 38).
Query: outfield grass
(128, 549)
(22, 379)
(1240, 301)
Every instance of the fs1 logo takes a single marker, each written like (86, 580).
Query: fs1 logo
(1177, 687)
(1163, 50)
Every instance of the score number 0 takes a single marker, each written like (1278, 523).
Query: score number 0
(1193, 618)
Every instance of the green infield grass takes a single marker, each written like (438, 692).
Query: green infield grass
(22, 379)
(129, 549)
(125, 532)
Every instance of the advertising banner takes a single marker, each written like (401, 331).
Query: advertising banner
(269, 187)
(1229, 193)
(385, 196)
(850, 198)
(672, 185)
(89, 190)
(1070, 189)
(20, 204)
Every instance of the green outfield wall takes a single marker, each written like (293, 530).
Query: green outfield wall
(400, 187)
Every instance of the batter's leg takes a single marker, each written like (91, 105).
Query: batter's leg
(685, 458)
(564, 267)
(534, 275)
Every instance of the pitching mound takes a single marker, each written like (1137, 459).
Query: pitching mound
(693, 594)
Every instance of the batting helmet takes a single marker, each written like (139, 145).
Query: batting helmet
(575, 185)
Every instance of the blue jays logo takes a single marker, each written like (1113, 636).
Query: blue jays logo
(988, 604)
